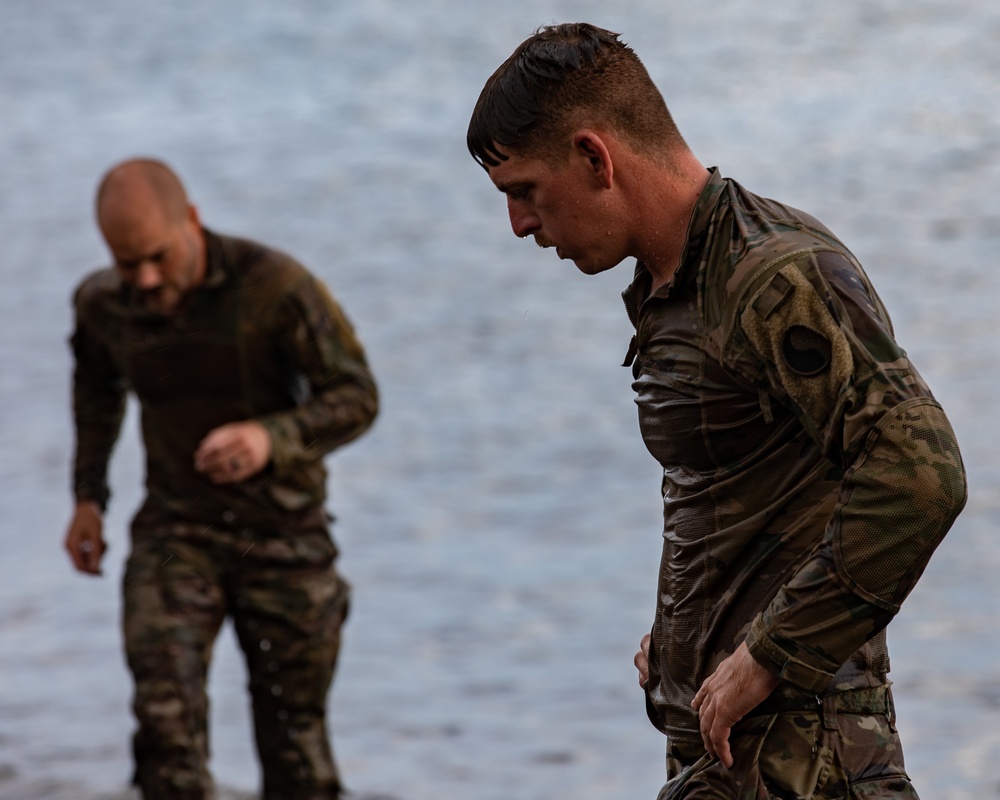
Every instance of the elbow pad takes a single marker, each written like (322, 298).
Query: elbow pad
(902, 495)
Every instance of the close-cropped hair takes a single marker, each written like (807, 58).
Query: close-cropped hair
(561, 78)
(161, 180)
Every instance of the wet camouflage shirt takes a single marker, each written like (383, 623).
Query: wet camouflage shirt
(260, 339)
(808, 473)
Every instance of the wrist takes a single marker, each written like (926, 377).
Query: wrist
(85, 506)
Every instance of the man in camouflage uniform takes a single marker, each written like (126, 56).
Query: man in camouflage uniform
(247, 373)
(808, 473)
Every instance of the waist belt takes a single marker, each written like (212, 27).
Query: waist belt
(873, 700)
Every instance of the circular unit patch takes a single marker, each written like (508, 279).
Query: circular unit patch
(805, 351)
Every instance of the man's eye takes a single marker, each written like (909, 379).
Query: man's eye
(158, 257)
(518, 194)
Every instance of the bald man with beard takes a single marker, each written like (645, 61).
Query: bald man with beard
(247, 374)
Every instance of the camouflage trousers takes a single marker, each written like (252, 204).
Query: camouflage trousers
(287, 604)
(832, 752)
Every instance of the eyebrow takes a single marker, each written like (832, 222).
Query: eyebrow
(513, 186)
(130, 263)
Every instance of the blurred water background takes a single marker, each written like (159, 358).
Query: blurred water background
(501, 523)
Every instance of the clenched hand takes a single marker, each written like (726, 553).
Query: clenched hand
(233, 452)
(84, 537)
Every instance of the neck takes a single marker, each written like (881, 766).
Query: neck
(667, 199)
(201, 255)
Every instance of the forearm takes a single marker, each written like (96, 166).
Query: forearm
(897, 502)
(329, 419)
(813, 626)
(98, 410)
(342, 399)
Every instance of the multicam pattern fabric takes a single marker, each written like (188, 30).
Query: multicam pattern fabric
(260, 339)
(808, 472)
(828, 753)
(287, 603)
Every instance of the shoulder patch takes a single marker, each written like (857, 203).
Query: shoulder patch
(778, 289)
(807, 352)
(787, 322)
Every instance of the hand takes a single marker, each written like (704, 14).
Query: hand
(738, 685)
(641, 661)
(84, 539)
(233, 452)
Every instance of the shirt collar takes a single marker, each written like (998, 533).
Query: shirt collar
(697, 233)
(215, 262)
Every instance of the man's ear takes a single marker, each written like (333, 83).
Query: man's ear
(591, 146)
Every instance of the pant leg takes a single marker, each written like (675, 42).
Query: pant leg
(693, 774)
(288, 621)
(836, 755)
(173, 608)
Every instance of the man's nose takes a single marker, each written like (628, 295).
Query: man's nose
(522, 221)
(147, 276)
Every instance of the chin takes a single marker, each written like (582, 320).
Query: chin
(588, 267)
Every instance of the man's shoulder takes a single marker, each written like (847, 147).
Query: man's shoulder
(99, 288)
(757, 237)
(262, 267)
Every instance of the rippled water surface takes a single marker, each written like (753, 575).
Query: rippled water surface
(500, 524)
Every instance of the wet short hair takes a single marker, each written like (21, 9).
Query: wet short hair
(561, 78)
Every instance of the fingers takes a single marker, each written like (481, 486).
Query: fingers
(712, 720)
(90, 555)
(84, 541)
(699, 698)
(86, 552)
(224, 467)
(642, 665)
(738, 685)
(706, 717)
(217, 455)
(715, 733)
(222, 457)
(722, 750)
(233, 452)
(641, 661)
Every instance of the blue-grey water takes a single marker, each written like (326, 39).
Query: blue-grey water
(500, 524)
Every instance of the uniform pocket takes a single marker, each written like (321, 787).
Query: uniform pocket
(893, 787)
(707, 777)
(675, 788)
